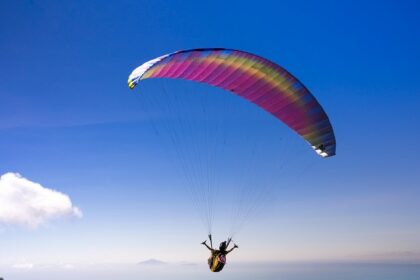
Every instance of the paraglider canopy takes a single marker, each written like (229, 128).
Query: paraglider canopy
(253, 78)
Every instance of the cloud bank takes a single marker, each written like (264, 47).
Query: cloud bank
(29, 204)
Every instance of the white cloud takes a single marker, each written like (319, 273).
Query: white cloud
(23, 266)
(29, 204)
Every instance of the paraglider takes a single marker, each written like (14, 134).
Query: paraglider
(252, 78)
(217, 258)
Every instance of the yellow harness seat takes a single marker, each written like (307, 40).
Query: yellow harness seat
(217, 261)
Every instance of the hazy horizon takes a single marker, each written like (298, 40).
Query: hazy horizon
(295, 271)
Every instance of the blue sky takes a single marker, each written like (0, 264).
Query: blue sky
(69, 122)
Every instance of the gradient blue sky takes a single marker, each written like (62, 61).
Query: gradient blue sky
(69, 122)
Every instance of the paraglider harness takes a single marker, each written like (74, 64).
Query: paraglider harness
(218, 259)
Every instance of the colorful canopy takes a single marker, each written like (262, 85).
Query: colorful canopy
(254, 78)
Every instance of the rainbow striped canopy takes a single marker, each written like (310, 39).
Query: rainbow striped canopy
(254, 78)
